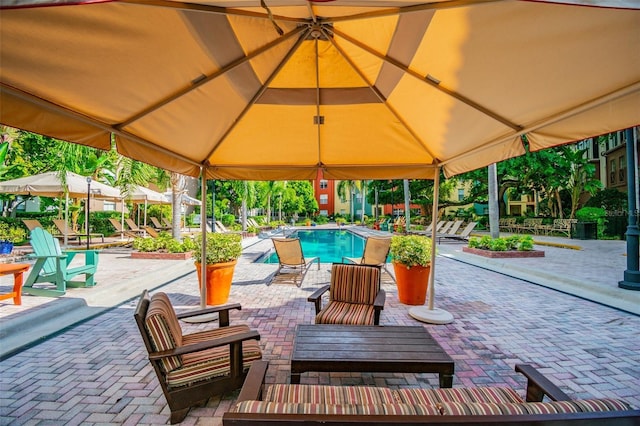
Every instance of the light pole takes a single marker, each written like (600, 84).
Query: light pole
(86, 218)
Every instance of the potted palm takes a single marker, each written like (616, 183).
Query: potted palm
(411, 258)
(222, 253)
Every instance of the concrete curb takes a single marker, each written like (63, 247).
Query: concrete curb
(22, 331)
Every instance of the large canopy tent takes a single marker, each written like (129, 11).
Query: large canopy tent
(141, 195)
(361, 89)
(52, 184)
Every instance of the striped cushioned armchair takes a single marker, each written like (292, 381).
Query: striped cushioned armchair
(355, 296)
(193, 367)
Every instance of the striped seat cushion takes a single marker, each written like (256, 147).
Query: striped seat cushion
(342, 409)
(494, 395)
(203, 365)
(346, 313)
(319, 394)
(354, 283)
(164, 330)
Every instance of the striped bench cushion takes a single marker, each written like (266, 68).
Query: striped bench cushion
(551, 407)
(319, 394)
(346, 313)
(494, 395)
(342, 409)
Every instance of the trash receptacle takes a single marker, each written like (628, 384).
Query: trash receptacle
(585, 230)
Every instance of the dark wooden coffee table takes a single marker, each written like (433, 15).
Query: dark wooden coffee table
(385, 349)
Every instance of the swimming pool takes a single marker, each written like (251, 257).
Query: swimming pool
(328, 244)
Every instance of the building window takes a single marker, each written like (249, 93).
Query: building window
(622, 176)
(612, 172)
(460, 194)
(324, 184)
(324, 212)
(324, 199)
(109, 206)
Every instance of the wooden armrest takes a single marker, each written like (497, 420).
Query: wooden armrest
(316, 297)
(223, 310)
(538, 385)
(254, 382)
(379, 302)
(46, 256)
(209, 344)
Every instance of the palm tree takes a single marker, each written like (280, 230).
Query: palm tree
(350, 187)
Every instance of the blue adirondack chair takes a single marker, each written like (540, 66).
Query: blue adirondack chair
(52, 266)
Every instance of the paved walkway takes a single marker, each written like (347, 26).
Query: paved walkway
(96, 372)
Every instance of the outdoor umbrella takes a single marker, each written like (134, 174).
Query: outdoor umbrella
(141, 195)
(50, 184)
(277, 89)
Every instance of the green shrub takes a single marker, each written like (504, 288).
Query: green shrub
(220, 247)
(164, 243)
(514, 242)
(411, 250)
(593, 214)
(228, 219)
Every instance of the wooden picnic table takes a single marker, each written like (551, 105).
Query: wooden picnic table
(17, 269)
(388, 349)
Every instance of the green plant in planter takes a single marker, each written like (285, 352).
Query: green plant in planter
(12, 234)
(514, 242)
(411, 250)
(220, 247)
(164, 243)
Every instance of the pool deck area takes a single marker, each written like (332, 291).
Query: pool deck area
(79, 359)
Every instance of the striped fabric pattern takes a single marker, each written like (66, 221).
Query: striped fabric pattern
(602, 404)
(164, 330)
(354, 283)
(319, 394)
(344, 409)
(165, 333)
(494, 395)
(346, 313)
(481, 408)
(551, 407)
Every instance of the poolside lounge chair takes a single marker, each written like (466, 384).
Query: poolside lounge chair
(355, 296)
(60, 225)
(158, 225)
(462, 236)
(120, 229)
(193, 367)
(293, 265)
(452, 229)
(376, 250)
(133, 227)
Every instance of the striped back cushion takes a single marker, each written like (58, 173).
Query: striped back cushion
(163, 329)
(320, 394)
(354, 283)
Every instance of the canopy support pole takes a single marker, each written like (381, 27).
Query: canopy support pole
(429, 314)
(203, 248)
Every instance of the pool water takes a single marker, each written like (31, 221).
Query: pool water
(329, 245)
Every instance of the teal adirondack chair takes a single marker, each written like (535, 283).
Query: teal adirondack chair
(52, 266)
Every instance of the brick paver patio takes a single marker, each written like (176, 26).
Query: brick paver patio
(97, 372)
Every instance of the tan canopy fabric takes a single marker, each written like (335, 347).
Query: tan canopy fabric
(50, 184)
(366, 89)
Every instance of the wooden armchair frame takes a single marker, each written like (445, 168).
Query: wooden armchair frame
(180, 399)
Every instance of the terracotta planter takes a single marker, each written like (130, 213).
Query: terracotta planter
(219, 277)
(412, 283)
